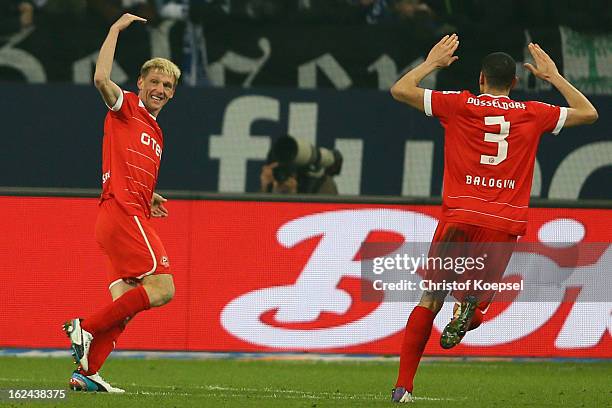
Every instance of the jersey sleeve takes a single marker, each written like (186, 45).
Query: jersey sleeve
(550, 117)
(441, 104)
(121, 108)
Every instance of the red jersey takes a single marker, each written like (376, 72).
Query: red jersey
(489, 154)
(131, 154)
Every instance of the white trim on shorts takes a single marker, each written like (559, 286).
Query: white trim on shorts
(150, 250)
(114, 283)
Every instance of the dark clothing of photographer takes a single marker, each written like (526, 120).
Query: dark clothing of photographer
(320, 185)
(280, 179)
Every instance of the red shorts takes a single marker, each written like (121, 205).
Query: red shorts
(131, 244)
(472, 241)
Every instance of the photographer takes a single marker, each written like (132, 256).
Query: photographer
(294, 166)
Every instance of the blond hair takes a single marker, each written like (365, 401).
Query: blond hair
(162, 65)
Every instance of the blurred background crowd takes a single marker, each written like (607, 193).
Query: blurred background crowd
(67, 26)
(436, 15)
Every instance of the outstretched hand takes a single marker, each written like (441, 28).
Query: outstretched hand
(125, 20)
(157, 206)
(545, 67)
(441, 55)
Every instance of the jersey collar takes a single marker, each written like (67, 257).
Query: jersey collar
(141, 104)
(494, 96)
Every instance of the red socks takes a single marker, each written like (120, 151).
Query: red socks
(101, 346)
(130, 303)
(476, 319)
(416, 335)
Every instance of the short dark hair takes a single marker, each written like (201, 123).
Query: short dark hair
(500, 69)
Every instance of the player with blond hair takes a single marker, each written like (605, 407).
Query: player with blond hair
(139, 270)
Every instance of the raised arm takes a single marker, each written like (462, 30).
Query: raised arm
(407, 90)
(581, 111)
(108, 89)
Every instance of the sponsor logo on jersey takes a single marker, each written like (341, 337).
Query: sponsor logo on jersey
(148, 140)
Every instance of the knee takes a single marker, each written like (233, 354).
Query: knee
(166, 292)
(160, 292)
(432, 301)
(169, 292)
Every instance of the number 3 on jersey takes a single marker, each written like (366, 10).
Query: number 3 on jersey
(499, 138)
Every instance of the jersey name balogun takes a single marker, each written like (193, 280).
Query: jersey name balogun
(489, 182)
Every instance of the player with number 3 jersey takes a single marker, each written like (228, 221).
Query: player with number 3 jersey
(490, 144)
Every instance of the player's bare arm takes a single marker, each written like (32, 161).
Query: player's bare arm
(407, 90)
(108, 89)
(581, 111)
(157, 206)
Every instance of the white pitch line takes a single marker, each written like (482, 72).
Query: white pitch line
(26, 380)
(312, 394)
(169, 394)
(439, 399)
(271, 392)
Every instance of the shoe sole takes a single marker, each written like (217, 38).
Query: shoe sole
(454, 332)
(77, 385)
(81, 382)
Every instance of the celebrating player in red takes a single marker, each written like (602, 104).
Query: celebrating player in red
(139, 272)
(489, 155)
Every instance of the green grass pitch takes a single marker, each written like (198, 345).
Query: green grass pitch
(312, 383)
